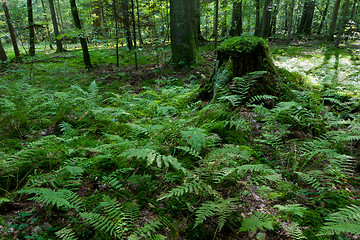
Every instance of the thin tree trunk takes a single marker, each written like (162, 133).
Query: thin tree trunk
(323, 16)
(307, 18)
(3, 56)
(236, 22)
(353, 10)
(216, 22)
(116, 32)
(138, 22)
(61, 25)
(257, 21)
(31, 28)
(59, 46)
(47, 26)
(134, 32)
(334, 20)
(11, 29)
(342, 23)
(83, 42)
(290, 21)
(274, 18)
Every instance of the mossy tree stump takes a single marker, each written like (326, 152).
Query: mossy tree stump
(239, 56)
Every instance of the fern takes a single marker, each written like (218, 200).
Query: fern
(312, 181)
(191, 151)
(221, 208)
(66, 234)
(347, 220)
(152, 156)
(195, 137)
(196, 186)
(241, 170)
(148, 231)
(61, 199)
(294, 231)
(295, 209)
(256, 221)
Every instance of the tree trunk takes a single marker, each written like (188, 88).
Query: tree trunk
(265, 23)
(183, 44)
(196, 24)
(85, 50)
(126, 22)
(59, 46)
(223, 23)
(323, 17)
(290, 21)
(273, 17)
(134, 32)
(307, 18)
(31, 28)
(342, 23)
(47, 25)
(334, 20)
(353, 10)
(248, 58)
(97, 21)
(216, 25)
(11, 29)
(138, 22)
(236, 21)
(257, 20)
(3, 56)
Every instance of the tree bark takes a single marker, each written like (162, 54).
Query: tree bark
(265, 23)
(59, 46)
(290, 21)
(257, 20)
(183, 44)
(274, 14)
(11, 29)
(31, 28)
(3, 56)
(334, 20)
(138, 22)
(47, 25)
(342, 23)
(134, 32)
(216, 25)
(307, 18)
(236, 21)
(85, 50)
(97, 21)
(126, 22)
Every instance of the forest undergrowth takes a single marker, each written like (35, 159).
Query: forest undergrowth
(115, 153)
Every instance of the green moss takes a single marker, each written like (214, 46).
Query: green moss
(245, 44)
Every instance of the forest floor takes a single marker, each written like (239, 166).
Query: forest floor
(119, 152)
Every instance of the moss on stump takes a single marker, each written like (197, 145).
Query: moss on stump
(239, 56)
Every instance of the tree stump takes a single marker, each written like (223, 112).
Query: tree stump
(238, 57)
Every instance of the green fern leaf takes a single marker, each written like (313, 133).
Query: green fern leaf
(256, 221)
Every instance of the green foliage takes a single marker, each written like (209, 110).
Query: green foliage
(294, 209)
(243, 44)
(347, 220)
(257, 221)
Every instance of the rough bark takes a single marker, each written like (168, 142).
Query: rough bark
(342, 23)
(183, 44)
(236, 21)
(216, 25)
(3, 56)
(85, 50)
(59, 46)
(290, 21)
(257, 19)
(31, 28)
(242, 57)
(266, 18)
(307, 18)
(334, 20)
(11, 29)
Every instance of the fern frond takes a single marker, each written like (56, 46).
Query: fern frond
(61, 198)
(196, 186)
(66, 234)
(295, 209)
(191, 151)
(241, 170)
(148, 231)
(294, 231)
(195, 137)
(221, 208)
(258, 220)
(347, 220)
(312, 181)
